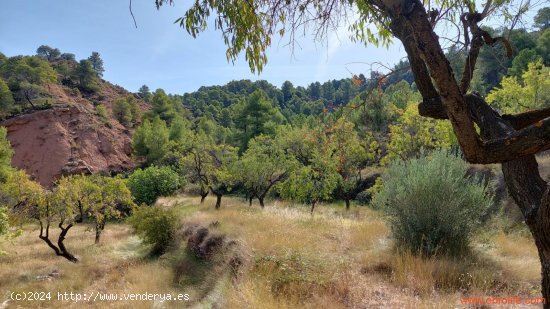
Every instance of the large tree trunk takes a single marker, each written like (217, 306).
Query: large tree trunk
(542, 239)
(261, 200)
(347, 204)
(530, 193)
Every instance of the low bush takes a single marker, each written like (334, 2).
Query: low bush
(433, 205)
(148, 184)
(156, 226)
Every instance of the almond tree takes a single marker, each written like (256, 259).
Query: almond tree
(351, 156)
(262, 166)
(511, 140)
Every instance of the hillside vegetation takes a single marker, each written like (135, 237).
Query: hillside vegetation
(333, 195)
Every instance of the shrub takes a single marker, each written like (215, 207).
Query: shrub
(148, 184)
(434, 207)
(363, 197)
(156, 226)
(102, 113)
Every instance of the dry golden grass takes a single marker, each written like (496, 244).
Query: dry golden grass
(114, 266)
(333, 259)
(337, 259)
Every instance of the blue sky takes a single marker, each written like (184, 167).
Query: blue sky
(162, 55)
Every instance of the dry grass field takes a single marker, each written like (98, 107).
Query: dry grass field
(290, 259)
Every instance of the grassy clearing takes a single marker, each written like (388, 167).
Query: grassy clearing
(114, 266)
(333, 259)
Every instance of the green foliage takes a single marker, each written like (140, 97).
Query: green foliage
(148, 184)
(102, 113)
(542, 19)
(298, 142)
(532, 92)
(363, 197)
(351, 155)
(375, 113)
(412, 132)
(210, 165)
(256, 116)
(311, 183)
(180, 130)
(86, 76)
(4, 221)
(68, 56)
(48, 52)
(401, 95)
(25, 77)
(97, 197)
(6, 100)
(317, 176)
(543, 46)
(263, 165)
(34, 70)
(163, 106)
(97, 63)
(16, 189)
(220, 168)
(522, 60)
(434, 207)
(156, 226)
(145, 93)
(157, 141)
(151, 140)
(126, 111)
(141, 137)
(5, 169)
(6, 154)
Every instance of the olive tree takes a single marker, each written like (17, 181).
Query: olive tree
(511, 140)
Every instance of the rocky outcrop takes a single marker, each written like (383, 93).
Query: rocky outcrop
(69, 138)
